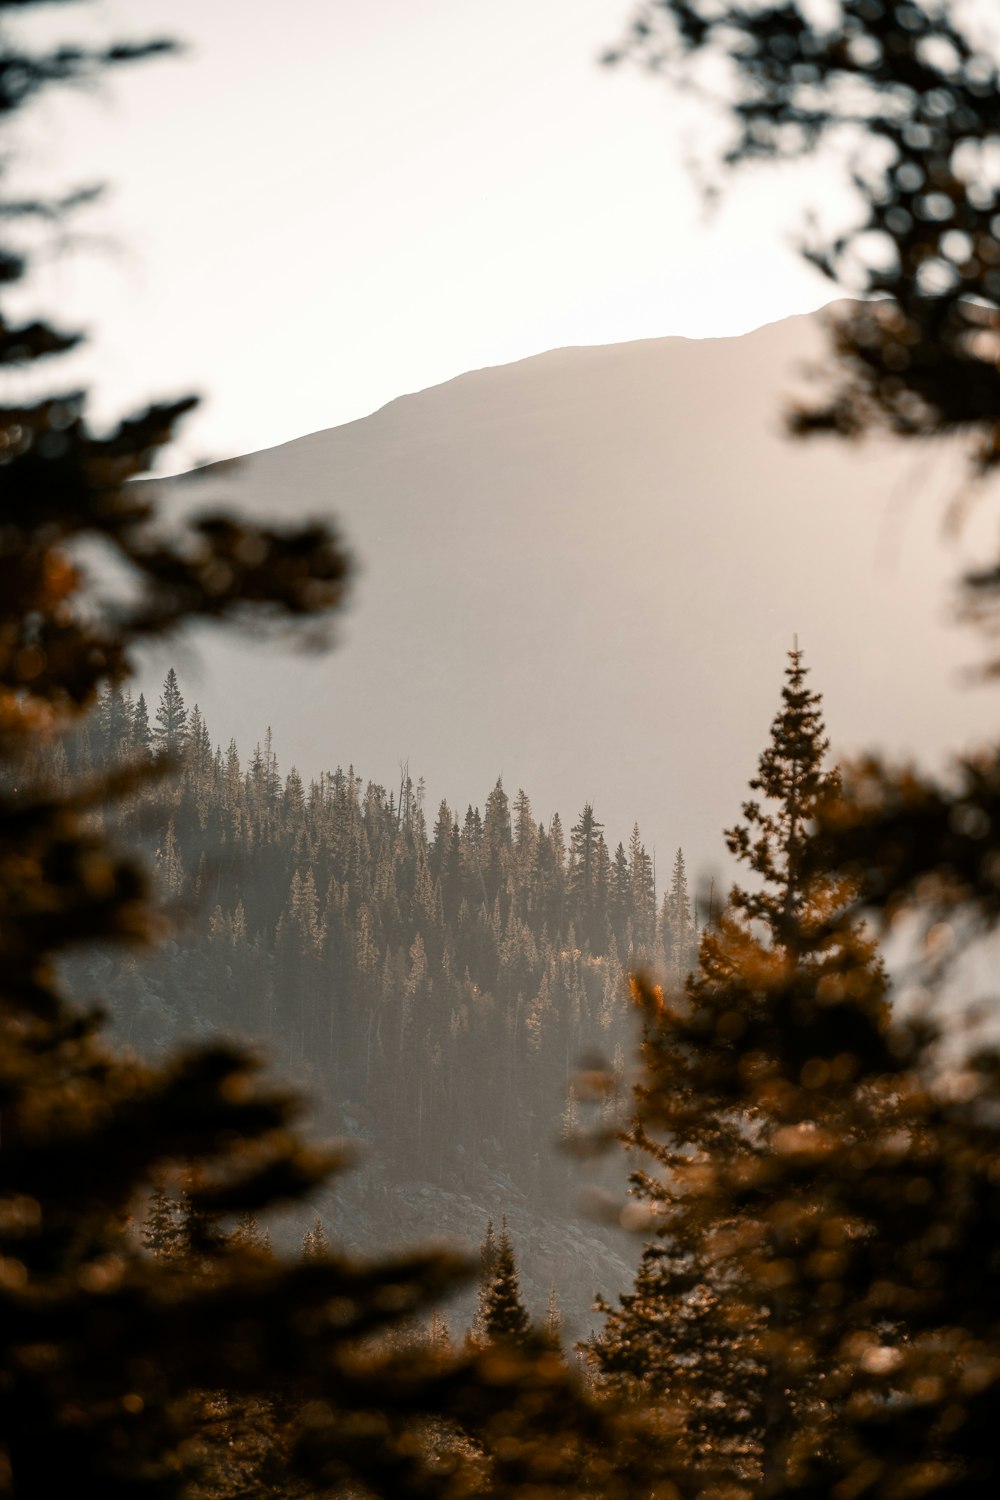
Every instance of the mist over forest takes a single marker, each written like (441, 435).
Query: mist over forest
(434, 979)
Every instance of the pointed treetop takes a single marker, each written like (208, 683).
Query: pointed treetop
(792, 784)
(504, 1314)
(315, 1245)
(171, 716)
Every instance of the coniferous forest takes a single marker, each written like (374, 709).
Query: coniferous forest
(378, 956)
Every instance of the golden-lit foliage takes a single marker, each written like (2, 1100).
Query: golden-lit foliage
(821, 1311)
(849, 1171)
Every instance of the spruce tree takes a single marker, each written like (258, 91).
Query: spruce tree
(913, 1234)
(142, 735)
(504, 1314)
(315, 1244)
(487, 1270)
(505, 1317)
(171, 717)
(163, 1232)
(678, 927)
(588, 878)
(249, 1234)
(776, 1054)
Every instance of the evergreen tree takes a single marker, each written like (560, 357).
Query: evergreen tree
(777, 1050)
(679, 933)
(487, 1271)
(163, 1232)
(794, 786)
(495, 845)
(584, 881)
(504, 1316)
(249, 1235)
(171, 717)
(911, 1210)
(113, 722)
(642, 893)
(315, 1245)
(525, 833)
(619, 897)
(142, 736)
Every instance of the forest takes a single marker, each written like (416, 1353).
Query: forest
(378, 961)
(815, 1169)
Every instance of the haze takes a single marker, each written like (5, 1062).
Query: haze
(310, 216)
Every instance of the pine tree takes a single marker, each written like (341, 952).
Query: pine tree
(495, 846)
(163, 1232)
(171, 717)
(487, 1271)
(142, 736)
(113, 722)
(794, 786)
(678, 925)
(788, 989)
(912, 1229)
(249, 1235)
(584, 881)
(315, 1245)
(505, 1318)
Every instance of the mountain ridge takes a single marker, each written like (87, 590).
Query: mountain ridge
(587, 566)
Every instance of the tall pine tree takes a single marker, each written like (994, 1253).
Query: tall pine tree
(773, 1057)
(504, 1316)
(171, 717)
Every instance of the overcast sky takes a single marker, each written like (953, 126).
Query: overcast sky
(325, 204)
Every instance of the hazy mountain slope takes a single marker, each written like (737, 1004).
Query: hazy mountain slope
(583, 570)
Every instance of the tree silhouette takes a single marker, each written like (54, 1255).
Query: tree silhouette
(909, 93)
(760, 1080)
(504, 1315)
(915, 87)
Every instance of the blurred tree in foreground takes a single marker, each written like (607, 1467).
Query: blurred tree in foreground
(760, 1078)
(103, 1345)
(820, 1312)
(911, 88)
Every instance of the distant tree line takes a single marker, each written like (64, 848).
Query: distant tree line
(437, 986)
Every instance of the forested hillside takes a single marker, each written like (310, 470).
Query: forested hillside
(433, 979)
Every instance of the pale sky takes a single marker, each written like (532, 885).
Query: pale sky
(325, 204)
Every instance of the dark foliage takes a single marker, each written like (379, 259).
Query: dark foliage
(504, 1317)
(910, 90)
(708, 1330)
(103, 1346)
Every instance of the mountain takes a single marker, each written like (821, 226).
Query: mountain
(582, 572)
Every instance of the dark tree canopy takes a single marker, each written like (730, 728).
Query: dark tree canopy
(104, 1341)
(504, 1316)
(911, 89)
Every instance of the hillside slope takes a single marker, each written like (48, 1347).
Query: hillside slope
(582, 571)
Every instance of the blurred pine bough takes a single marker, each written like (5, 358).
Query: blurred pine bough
(911, 90)
(106, 1351)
